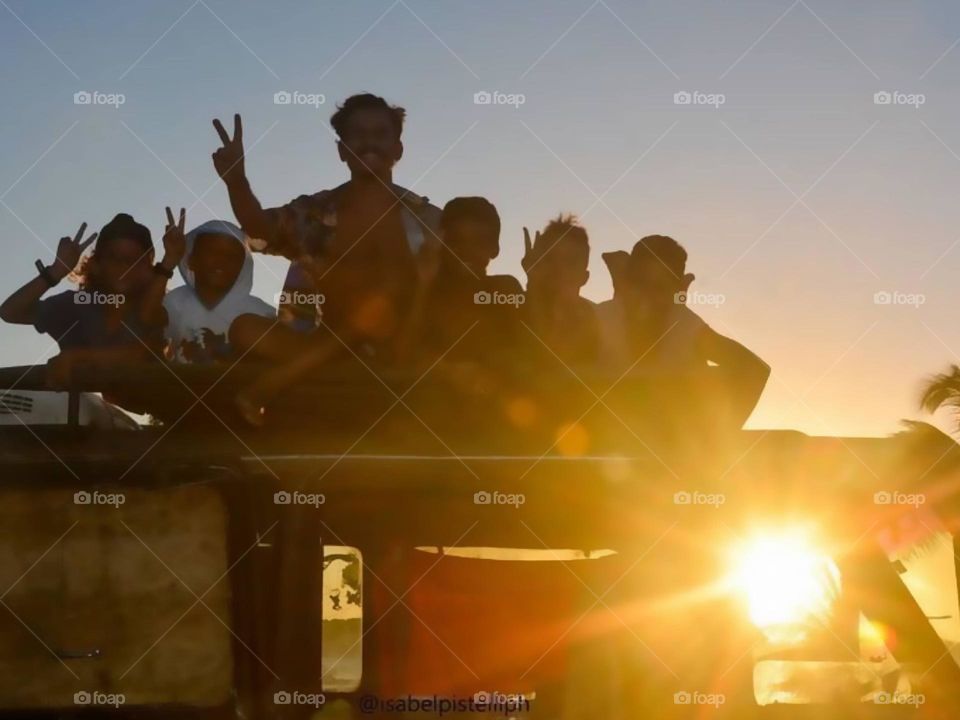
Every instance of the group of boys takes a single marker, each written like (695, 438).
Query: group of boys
(376, 272)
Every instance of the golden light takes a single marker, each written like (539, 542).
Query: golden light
(789, 585)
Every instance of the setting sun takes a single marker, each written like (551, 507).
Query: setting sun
(786, 581)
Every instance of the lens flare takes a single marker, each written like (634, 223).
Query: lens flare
(789, 585)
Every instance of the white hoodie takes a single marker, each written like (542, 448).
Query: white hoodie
(197, 333)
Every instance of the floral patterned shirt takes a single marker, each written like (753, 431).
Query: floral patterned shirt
(304, 229)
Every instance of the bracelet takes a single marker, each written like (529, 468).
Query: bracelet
(161, 270)
(44, 272)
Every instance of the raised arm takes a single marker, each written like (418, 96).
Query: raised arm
(21, 307)
(152, 312)
(229, 163)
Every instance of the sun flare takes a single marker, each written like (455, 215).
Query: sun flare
(787, 582)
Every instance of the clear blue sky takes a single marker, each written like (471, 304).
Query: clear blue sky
(798, 199)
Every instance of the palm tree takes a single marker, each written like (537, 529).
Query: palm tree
(943, 390)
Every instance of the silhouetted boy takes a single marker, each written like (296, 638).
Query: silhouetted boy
(355, 246)
(556, 265)
(648, 327)
(472, 315)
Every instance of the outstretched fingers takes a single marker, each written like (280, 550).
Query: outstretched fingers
(80, 232)
(88, 242)
(218, 126)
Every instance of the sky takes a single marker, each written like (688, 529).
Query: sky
(821, 220)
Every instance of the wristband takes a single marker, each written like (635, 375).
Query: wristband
(44, 272)
(161, 270)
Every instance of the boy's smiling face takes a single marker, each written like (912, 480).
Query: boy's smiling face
(370, 144)
(121, 266)
(216, 262)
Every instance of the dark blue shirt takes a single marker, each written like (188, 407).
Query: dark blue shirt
(78, 319)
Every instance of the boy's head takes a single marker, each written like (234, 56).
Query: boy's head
(562, 255)
(121, 258)
(216, 262)
(369, 131)
(658, 270)
(471, 232)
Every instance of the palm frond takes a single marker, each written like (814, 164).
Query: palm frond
(942, 389)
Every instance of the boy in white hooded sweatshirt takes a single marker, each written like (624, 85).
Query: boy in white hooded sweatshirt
(217, 269)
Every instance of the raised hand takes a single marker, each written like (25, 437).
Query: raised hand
(174, 240)
(69, 251)
(228, 159)
(530, 255)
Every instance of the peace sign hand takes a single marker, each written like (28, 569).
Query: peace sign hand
(174, 240)
(228, 160)
(530, 254)
(69, 251)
